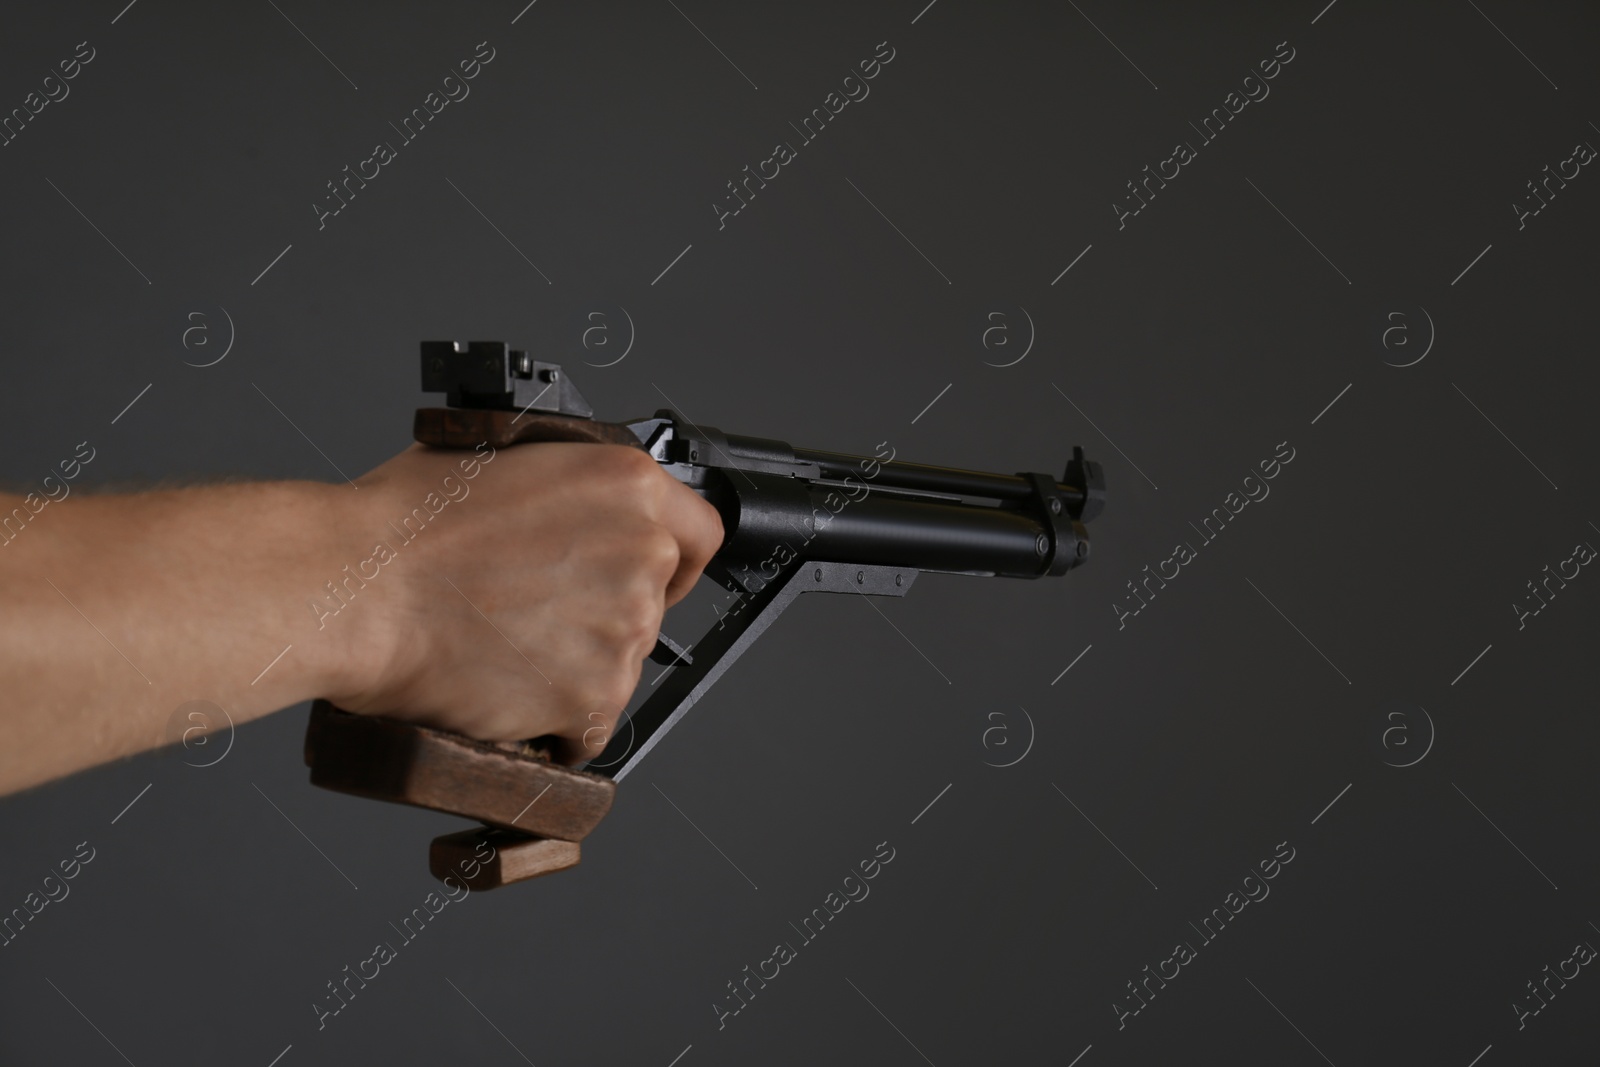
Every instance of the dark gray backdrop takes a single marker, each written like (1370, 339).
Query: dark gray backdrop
(1358, 618)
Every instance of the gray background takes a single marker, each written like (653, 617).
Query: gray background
(1197, 338)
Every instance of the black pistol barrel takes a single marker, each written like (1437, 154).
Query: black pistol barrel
(897, 474)
(899, 531)
(773, 519)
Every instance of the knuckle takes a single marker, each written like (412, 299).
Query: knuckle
(641, 629)
(598, 728)
(509, 724)
(657, 552)
(633, 471)
(633, 624)
(710, 535)
(616, 689)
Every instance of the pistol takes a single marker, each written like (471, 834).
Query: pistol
(796, 521)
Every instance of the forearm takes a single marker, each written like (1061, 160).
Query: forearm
(115, 610)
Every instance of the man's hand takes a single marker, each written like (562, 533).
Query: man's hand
(528, 605)
(502, 595)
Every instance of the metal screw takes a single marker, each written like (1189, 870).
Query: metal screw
(1083, 549)
(819, 574)
(524, 365)
(1055, 506)
(861, 576)
(551, 375)
(694, 455)
(897, 579)
(1042, 545)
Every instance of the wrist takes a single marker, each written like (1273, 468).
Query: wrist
(350, 600)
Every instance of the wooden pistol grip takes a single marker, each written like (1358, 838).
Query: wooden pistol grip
(427, 768)
(512, 857)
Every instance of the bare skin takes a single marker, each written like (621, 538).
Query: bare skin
(519, 601)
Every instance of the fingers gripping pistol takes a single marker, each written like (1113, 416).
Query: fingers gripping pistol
(796, 521)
